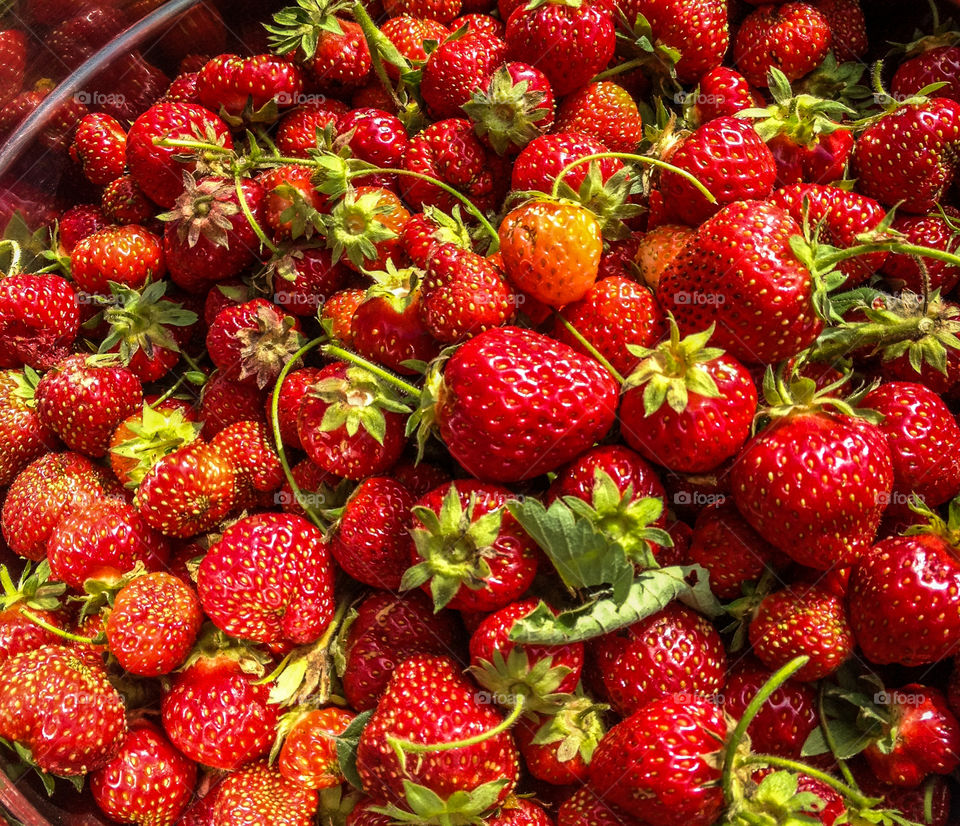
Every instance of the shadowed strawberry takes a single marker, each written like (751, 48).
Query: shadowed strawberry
(23, 437)
(794, 37)
(39, 319)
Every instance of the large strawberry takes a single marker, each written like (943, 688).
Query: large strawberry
(130, 255)
(456, 69)
(39, 319)
(514, 404)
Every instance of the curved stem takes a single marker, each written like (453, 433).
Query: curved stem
(370, 34)
(588, 346)
(16, 255)
(46, 626)
(254, 223)
(613, 71)
(778, 678)
(857, 798)
(890, 246)
(370, 367)
(630, 156)
(168, 392)
(186, 143)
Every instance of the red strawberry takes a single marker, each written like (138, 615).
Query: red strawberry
(295, 386)
(188, 491)
(123, 202)
(723, 92)
(83, 403)
(429, 701)
(374, 136)
(304, 278)
(129, 85)
(657, 248)
(77, 37)
(39, 319)
(309, 753)
(23, 437)
(557, 748)
(225, 402)
(410, 34)
(269, 579)
(937, 231)
(659, 764)
(337, 315)
(129, 255)
(297, 130)
(937, 65)
(544, 158)
(78, 222)
(46, 490)
(458, 68)
(764, 313)
(100, 146)
(103, 540)
(729, 158)
(928, 804)
(442, 10)
(147, 782)
(157, 169)
(794, 37)
(13, 60)
(568, 43)
(62, 709)
(847, 26)
(260, 793)
(684, 390)
(249, 88)
(674, 652)
(388, 629)
(607, 112)
(365, 226)
(249, 449)
(585, 808)
(290, 198)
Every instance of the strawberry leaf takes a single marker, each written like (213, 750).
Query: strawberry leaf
(347, 748)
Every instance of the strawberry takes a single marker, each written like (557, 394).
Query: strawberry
(153, 624)
(441, 10)
(46, 490)
(337, 315)
(56, 135)
(157, 169)
(103, 540)
(732, 552)
(613, 315)
(304, 277)
(374, 136)
(764, 313)
(605, 111)
(729, 158)
(802, 620)
(723, 92)
(657, 248)
(13, 59)
(78, 222)
(62, 709)
(658, 764)
(928, 804)
(100, 146)
(309, 752)
(269, 579)
(129, 255)
(545, 157)
(129, 85)
(295, 386)
(920, 737)
(585, 808)
(938, 231)
(551, 250)
(795, 37)
(225, 402)
(249, 449)
(289, 193)
(390, 628)
(249, 88)
(922, 433)
(260, 793)
(458, 68)
(785, 719)
(76, 38)
(937, 65)
(123, 202)
(83, 402)
(906, 156)
(297, 129)
(23, 437)
(847, 27)
(682, 390)
(39, 319)
(147, 436)
(217, 714)
(187, 492)
(674, 652)
(498, 430)
(351, 425)
(463, 294)
(365, 226)
(148, 782)
(569, 43)
(429, 700)
(410, 35)
(36, 595)
(557, 748)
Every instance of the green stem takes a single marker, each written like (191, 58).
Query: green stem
(345, 355)
(857, 798)
(278, 438)
(588, 346)
(630, 156)
(254, 223)
(185, 143)
(778, 678)
(169, 391)
(46, 626)
(16, 255)
(372, 34)
(613, 71)
(830, 261)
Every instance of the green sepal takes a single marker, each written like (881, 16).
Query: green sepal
(347, 743)
(358, 400)
(514, 676)
(35, 588)
(776, 801)
(354, 229)
(298, 28)
(155, 435)
(577, 726)
(140, 320)
(462, 808)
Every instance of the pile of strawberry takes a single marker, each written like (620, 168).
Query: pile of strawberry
(449, 414)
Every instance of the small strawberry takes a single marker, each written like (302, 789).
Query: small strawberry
(723, 92)
(607, 112)
(410, 36)
(364, 228)
(13, 60)
(657, 248)
(259, 793)
(225, 402)
(290, 198)
(129, 255)
(795, 37)
(847, 27)
(938, 231)
(123, 202)
(297, 130)
(585, 808)
(337, 314)
(374, 136)
(78, 222)
(458, 68)
(39, 319)
(249, 448)
(557, 748)
(937, 65)
(295, 386)
(100, 146)
(309, 752)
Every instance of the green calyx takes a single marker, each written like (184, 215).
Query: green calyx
(157, 433)
(398, 286)
(787, 394)
(948, 529)
(298, 28)
(506, 113)
(507, 678)
(357, 400)
(776, 801)
(577, 726)
(455, 547)
(462, 808)
(838, 82)
(141, 320)
(609, 200)
(354, 228)
(24, 392)
(267, 347)
(673, 370)
(33, 590)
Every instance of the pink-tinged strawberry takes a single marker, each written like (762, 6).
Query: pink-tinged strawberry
(77, 223)
(848, 27)
(13, 60)
(683, 390)
(390, 628)
(429, 701)
(103, 540)
(458, 68)
(586, 808)
(148, 782)
(545, 157)
(568, 42)
(269, 579)
(787, 716)
(39, 320)
(920, 737)
(259, 793)
(557, 747)
(729, 158)
(146, 436)
(498, 427)
(188, 491)
(249, 89)
(23, 437)
(763, 311)
(308, 756)
(513, 105)
(814, 439)
(153, 624)
(794, 37)
(217, 714)
(906, 157)
(732, 552)
(129, 255)
(923, 436)
(64, 710)
(158, 169)
(225, 402)
(351, 424)
(674, 652)
(297, 130)
(468, 551)
(410, 36)
(937, 65)
(802, 620)
(660, 765)
(48, 489)
(939, 231)
(723, 92)
(100, 146)
(605, 111)
(123, 202)
(449, 151)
